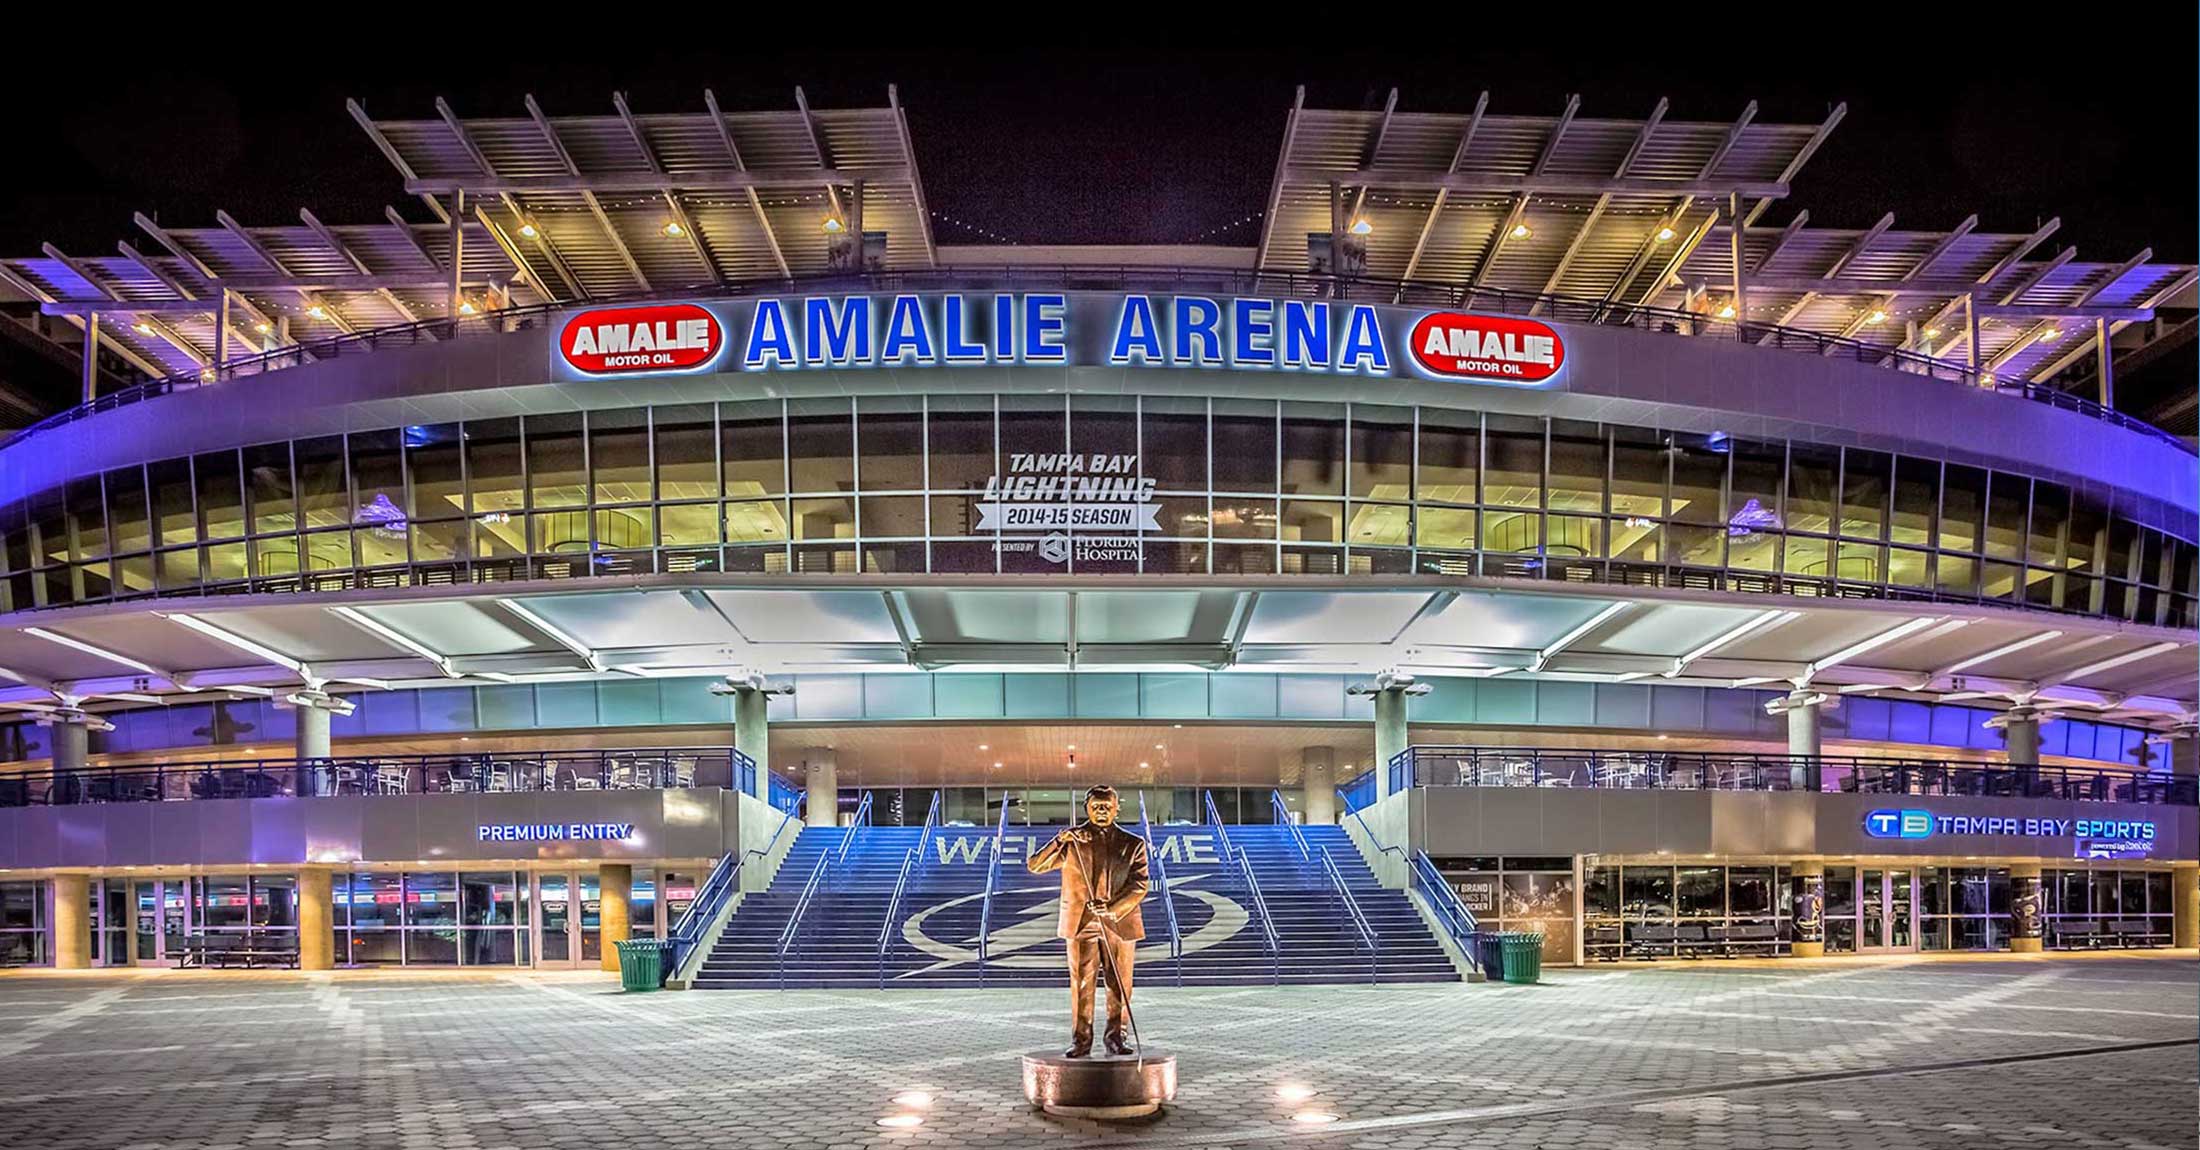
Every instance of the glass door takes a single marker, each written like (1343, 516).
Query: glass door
(553, 928)
(1887, 899)
(114, 920)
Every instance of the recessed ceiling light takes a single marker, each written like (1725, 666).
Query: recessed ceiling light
(985, 746)
(1142, 765)
(1522, 231)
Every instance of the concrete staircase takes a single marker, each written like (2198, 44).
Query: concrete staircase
(933, 938)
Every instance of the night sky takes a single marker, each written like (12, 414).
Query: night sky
(1131, 146)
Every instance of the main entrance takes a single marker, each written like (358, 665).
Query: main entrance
(568, 924)
(1871, 910)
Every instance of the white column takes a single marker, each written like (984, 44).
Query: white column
(2023, 737)
(752, 734)
(1390, 736)
(821, 775)
(1318, 777)
(2101, 335)
(1803, 734)
(91, 355)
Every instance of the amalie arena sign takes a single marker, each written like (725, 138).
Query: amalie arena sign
(974, 329)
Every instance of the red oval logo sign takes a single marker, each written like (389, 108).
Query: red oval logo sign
(659, 337)
(1456, 345)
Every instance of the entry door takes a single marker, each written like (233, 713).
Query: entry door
(554, 917)
(114, 920)
(1887, 900)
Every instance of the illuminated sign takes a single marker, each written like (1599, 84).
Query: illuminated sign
(1029, 329)
(1454, 345)
(553, 832)
(1920, 824)
(627, 340)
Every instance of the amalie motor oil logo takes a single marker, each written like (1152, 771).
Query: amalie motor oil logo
(1456, 345)
(658, 337)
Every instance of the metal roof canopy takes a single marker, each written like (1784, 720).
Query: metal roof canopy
(1641, 212)
(541, 208)
(685, 626)
(622, 203)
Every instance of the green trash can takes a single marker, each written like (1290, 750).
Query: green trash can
(1523, 957)
(642, 964)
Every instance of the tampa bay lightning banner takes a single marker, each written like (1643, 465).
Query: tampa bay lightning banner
(1036, 329)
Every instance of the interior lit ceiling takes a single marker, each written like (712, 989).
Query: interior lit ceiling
(689, 626)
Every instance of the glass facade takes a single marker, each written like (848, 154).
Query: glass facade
(1962, 908)
(467, 918)
(2084, 909)
(1685, 910)
(892, 484)
(22, 923)
(1515, 892)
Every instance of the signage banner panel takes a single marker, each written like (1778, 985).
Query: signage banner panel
(1026, 329)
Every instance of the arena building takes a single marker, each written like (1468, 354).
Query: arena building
(655, 531)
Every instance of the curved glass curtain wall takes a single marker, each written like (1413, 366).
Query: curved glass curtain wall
(889, 484)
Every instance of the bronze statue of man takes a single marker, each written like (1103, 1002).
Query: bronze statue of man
(1103, 880)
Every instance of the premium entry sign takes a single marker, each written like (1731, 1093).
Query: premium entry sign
(1132, 331)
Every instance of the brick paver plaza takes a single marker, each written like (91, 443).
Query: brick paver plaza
(1834, 1056)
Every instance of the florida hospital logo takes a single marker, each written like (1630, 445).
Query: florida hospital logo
(1061, 497)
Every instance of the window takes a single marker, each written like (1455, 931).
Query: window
(1244, 445)
(890, 440)
(1382, 452)
(618, 455)
(1313, 448)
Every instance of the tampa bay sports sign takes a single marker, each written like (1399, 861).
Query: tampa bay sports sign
(1037, 329)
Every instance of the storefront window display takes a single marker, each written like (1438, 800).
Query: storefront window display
(1685, 910)
(1518, 892)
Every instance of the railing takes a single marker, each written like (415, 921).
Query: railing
(1412, 293)
(1214, 819)
(893, 907)
(1353, 811)
(992, 883)
(711, 897)
(931, 824)
(467, 773)
(1259, 908)
(1449, 766)
(1360, 792)
(861, 821)
(793, 929)
(1443, 901)
(1283, 816)
(1361, 929)
(1160, 876)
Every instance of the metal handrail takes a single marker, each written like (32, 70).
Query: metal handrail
(716, 889)
(861, 821)
(1259, 907)
(1160, 875)
(1283, 816)
(992, 882)
(1424, 293)
(793, 928)
(1361, 927)
(1365, 829)
(1214, 819)
(1443, 901)
(931, 823)
(893, 907)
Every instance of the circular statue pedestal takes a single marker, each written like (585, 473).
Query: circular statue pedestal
(1107, 1086)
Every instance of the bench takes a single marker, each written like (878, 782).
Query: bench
(2072, 934)
(1757, 938)
(2136, 932)
(226, 950)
